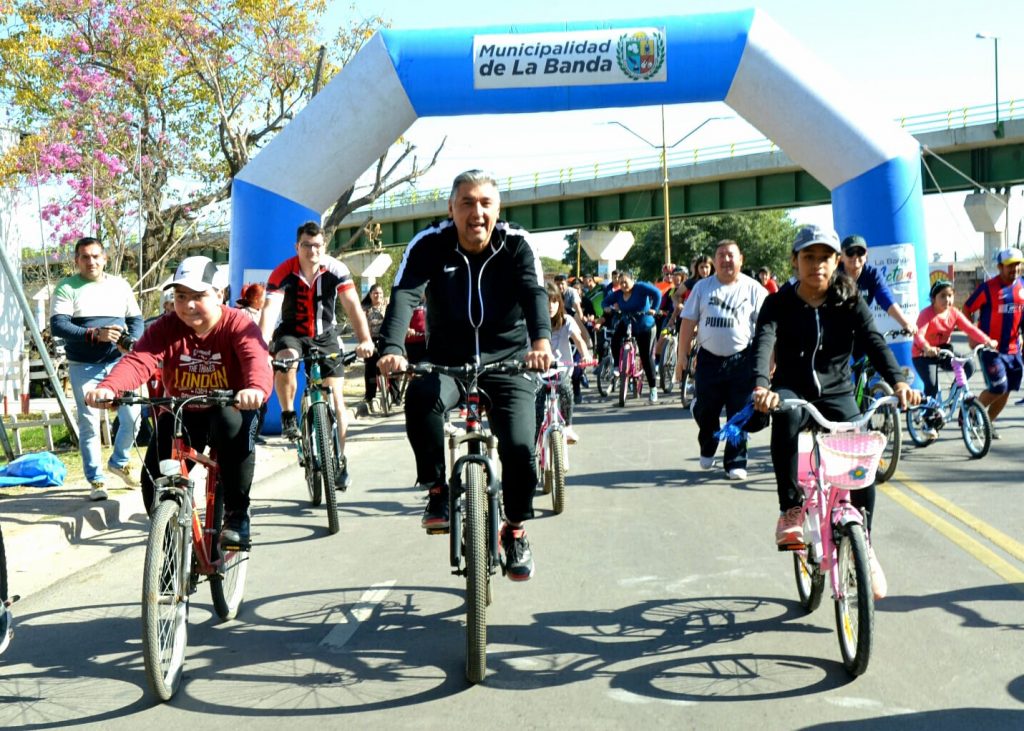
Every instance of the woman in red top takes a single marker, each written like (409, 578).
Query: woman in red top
(935, 326)
(205, 347)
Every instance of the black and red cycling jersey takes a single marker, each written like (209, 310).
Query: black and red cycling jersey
(308, 307)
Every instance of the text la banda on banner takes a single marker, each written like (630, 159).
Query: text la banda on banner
(583, 58)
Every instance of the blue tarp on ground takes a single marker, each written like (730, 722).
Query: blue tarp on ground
(39, 469)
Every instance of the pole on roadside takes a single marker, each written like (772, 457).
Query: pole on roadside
(37, 338)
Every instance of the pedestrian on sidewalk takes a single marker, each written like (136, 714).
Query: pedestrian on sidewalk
(98, 317)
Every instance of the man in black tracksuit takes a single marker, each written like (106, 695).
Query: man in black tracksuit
(485, 297)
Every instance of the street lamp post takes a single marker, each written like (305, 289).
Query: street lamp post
(995, 44)
(664, 167)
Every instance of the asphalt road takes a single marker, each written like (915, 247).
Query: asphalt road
(659, 601)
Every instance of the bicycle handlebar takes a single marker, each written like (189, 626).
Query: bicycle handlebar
(948, 354)
(347, 358)
(214, 398)
(836, 426)
(466, 371)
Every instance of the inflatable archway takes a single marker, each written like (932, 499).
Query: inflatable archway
(742, 58)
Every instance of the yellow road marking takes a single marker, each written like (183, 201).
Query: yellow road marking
(996, 536)
(986, 556)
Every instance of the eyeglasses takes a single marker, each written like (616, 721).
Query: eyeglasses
(311, 245)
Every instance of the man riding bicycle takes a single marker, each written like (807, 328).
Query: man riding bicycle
(205, 346)
(485, 299)
(303, 291)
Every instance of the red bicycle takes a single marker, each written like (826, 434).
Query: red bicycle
(183, 547)
(631, 369)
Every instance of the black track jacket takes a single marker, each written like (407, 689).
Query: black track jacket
(497, 295)
(813, 344)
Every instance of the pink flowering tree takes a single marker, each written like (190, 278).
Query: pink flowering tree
(141, 113)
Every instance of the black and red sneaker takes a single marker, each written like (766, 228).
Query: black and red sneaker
(435, 515)
(516, 554)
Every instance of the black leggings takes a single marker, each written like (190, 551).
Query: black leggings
(786, 427)
(644, 340)
(928, 369)
(229, 431)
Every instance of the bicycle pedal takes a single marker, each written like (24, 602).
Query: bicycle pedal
(790, 547)
(236, 546)
(438, 531)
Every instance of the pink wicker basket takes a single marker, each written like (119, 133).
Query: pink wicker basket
(849, 459)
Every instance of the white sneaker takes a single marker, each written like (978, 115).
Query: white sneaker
(706, 463)
(98, 492)
(931, 434)
(737, 473)
(652, 397)
(571, 437)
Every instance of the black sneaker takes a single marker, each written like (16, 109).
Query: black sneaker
(435, 515)
(289, 425)
(518, 557)
(342, 480)
(235, 533)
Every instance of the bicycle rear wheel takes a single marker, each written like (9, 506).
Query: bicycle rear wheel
(976, 429)
(810, 582)
(165, 578)
(855, 607)
(310, 461)
(556, 450)
(227, 586)
(917, 426)
(886, 420)
(477, 573)
(323, 422)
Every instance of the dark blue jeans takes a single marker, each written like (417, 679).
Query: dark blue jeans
(721, 382)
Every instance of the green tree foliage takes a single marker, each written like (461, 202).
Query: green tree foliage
(764, 237)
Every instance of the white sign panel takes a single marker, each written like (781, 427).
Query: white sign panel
(569, 58)
(896, 265)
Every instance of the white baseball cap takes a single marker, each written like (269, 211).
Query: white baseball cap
(1012, 255)
(198, 273)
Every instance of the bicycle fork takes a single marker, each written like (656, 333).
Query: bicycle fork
(456, 495)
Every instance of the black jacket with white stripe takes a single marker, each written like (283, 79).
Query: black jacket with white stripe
(497, 296)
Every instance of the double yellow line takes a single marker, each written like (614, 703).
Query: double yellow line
(971, 545)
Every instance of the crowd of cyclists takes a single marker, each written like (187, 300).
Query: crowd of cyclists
(471, 289)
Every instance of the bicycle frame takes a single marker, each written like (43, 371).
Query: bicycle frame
(553, 417)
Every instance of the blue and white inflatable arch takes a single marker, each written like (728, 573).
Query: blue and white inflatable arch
(742, 58)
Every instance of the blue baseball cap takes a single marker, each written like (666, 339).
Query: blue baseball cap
(811, 235)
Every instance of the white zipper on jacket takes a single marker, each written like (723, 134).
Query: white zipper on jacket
(814, 355)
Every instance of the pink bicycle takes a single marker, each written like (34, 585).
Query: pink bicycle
(842, 456)
(631, 369)
(552, 456)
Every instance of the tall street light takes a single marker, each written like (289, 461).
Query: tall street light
(664, 167)
(995, 43)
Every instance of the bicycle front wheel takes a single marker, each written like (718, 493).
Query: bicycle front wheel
(227, 585)
(624, 378)
(165, 579)
(477, 573)
(605, 381)
(3, 569)
(311, 461)
(976, 429)
(855, 605)
(556, 447)
(323, 423)
(886, 420)
(667, 365)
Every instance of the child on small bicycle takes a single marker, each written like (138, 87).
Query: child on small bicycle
(811, 329)
(565, 334)
(935, 326)
(204, 346)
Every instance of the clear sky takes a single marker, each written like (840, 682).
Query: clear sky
(909, 57)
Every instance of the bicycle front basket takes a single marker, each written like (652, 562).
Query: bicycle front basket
(849, 459)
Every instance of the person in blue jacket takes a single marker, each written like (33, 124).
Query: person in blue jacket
(870, 281)
(640, 301)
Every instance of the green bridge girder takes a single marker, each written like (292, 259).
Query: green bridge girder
(994, 167)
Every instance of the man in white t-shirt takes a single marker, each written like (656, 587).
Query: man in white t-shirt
(723, 310)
